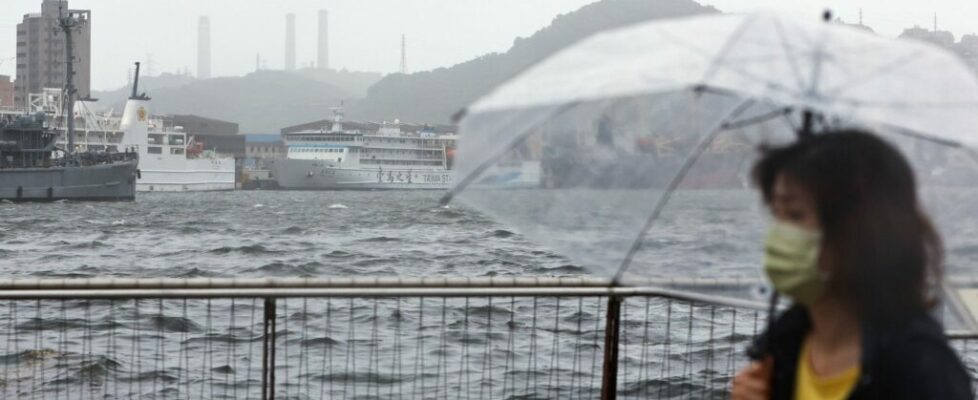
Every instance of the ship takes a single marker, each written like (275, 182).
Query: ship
(170, 159)
(31, 170)
(337, 158)
(34, 168)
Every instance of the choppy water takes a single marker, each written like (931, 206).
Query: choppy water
(341, 348)
(263, 234)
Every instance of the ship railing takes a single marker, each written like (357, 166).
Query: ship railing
(12, 110)
(408, 146)
(381, 338)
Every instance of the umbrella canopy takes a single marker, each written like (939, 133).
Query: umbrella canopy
(835, 69)
(629, 152)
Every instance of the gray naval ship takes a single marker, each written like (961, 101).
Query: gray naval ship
(33, 168)
(30, 169)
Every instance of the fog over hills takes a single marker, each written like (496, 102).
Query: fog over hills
(261, 102)
(266, 101)
(433, 96)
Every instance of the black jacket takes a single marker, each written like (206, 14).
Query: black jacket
(912, 361)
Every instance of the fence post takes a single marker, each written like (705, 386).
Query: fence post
(612, 330)
(268, 351)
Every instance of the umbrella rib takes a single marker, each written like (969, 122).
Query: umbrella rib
(674, 184)
(758, 119)
(917, 135)
(467, 180)
(715, 64)
(863, 79)
(907, 104)
(788, 54)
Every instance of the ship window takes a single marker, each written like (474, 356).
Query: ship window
(176, 140)
(176, 150)
(155, 138)
(154, 150)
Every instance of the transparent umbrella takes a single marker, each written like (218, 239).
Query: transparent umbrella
(629, 152)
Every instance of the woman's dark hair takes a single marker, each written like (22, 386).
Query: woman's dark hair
(882, 246)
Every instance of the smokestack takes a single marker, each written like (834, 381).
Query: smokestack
(404, 68)
(323, 55)
(289, 42)
(204, 48)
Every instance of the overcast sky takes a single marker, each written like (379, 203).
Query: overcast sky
(365, 34)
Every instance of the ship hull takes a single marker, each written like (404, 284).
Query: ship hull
(190, 175)
(103, 182)
(314, 175)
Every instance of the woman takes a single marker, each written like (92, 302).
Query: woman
(852, 249)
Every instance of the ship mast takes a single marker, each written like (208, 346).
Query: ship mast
(68, 22)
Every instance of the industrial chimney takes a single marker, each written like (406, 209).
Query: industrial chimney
(289, 42)
(322, 61)
(204, 48)
(404, 68)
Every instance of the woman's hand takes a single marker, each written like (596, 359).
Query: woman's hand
(754, 381)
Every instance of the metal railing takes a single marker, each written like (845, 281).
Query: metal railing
(374, 338)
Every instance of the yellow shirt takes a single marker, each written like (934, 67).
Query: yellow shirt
(809, 386)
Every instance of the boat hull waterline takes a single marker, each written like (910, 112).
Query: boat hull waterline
(314, 175)
(114, 181)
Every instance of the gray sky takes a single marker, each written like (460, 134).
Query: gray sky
(365, 34)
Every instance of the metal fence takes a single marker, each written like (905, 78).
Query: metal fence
(519, 338)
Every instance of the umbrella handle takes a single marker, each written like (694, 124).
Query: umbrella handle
(762, 344)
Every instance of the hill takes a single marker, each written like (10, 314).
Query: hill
(267, 101)
(260, 102)
(116, 98)
(433, 96)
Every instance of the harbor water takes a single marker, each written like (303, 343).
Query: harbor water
(381, 348)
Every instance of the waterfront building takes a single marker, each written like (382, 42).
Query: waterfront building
(41, 51)
(941, 38)
(216, 135)
(6, 91)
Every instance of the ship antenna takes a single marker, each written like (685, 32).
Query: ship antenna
(67, 23)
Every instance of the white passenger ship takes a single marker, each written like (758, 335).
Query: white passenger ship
(338, 158)
(169, 161)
